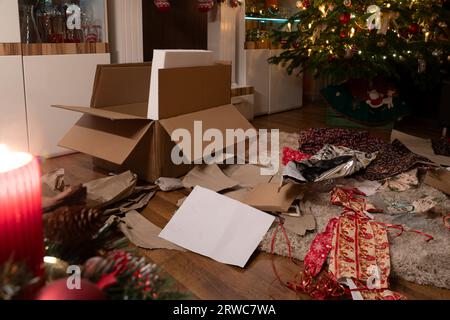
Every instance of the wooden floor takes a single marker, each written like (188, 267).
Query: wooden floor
(207, 279)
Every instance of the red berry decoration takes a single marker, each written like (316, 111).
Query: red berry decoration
(306, 4)
(413, 28)
(344, 18)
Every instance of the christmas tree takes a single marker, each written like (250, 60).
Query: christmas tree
(360, 39)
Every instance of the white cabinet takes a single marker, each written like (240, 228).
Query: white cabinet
(286, 91)
(13, 123)
(35, 76)
(258, 71)
(275, 89)
(56, 79)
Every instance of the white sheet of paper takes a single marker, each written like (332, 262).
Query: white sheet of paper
(218, 227)
(163, 59)
(368, 187)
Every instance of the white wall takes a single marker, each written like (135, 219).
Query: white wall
(222, 21)
(125, 31)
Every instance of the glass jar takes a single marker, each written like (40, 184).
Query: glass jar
(58, 22)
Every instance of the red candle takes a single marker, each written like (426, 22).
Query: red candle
(21, 231)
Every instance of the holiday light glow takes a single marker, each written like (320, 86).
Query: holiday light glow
(349, 39)
(10, 160)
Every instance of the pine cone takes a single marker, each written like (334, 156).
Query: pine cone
(73, 224)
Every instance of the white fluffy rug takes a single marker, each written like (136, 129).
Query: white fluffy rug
(412, 258)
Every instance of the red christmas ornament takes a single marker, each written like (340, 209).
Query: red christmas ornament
(343, 34)
(413, 28)
(205, 5)
(344, 18)
(234, 3)
(59, 290)
(162, 5)
(306, 4)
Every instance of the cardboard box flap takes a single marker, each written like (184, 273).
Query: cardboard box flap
(105, 139)
(102, 113)
(192, 89)
(121, 84)
(196, 123)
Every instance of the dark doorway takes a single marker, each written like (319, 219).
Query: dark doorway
(183, 27)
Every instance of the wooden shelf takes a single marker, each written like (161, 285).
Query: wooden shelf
(242, 91)
(43, 49)
(10, 49)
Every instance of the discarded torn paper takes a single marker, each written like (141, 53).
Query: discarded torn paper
(169, 184)
(273, 197)
(329, 163)
(217, 227)
(246, 175)
(53, 183)
(402, 182)
(424, 204)
(73, 195)
(422, 147)
(55, 193)
(439, 179)
(137, 201)
(102, 192)
(143, 233)
(209, 177)
(368, 187)
(239, 194)
(299, 225)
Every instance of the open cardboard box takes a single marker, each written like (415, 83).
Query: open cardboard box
(116, 131)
